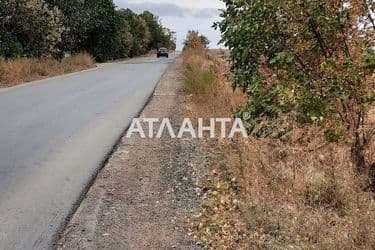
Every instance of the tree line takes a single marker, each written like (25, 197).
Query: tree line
(53, 28)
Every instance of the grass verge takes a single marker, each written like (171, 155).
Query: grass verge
(21, 70)
(268, 194)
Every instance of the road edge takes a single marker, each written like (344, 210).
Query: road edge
(56, 237)
(41, 81)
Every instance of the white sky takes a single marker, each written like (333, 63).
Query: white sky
(182, 15)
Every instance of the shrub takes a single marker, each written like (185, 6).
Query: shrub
(198, 80)
(9, 47)
(160, 36)
(199, 70)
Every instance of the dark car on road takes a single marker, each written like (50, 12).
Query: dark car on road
(162, 52)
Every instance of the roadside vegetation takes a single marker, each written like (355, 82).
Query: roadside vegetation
(48, 32)
(305, 179)
(20, 70)
(192, 37)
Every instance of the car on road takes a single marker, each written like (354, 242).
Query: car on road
(162, 52)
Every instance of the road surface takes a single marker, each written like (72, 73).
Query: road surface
(54, 136)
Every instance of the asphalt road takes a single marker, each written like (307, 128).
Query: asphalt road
(54, 136)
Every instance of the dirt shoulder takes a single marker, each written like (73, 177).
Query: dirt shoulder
(141, 197)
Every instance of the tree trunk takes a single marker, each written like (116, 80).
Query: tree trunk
(358, 158)
(359, 161)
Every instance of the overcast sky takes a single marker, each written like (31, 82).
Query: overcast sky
(181, 15)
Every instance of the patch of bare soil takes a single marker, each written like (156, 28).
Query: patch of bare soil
(141, 197)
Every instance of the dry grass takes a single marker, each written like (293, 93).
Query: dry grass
(302, 196)
(208, 92)
(21, 70)
(265, 194)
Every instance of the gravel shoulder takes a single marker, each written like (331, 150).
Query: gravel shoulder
(142, 196)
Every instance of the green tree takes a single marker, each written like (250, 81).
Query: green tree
(76, 21)
(125, 36)
(139, 30)
(160, 36)
(94, 26)
(53, 27)
(9, 47)
(171, 35)
(303, 61)
(33, 25)
(101, 38)
(155, 29)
